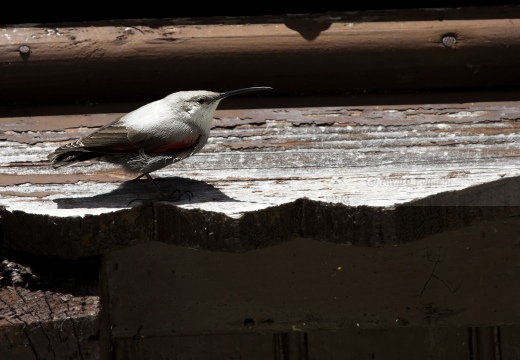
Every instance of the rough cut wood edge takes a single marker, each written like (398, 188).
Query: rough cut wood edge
(37, 325)
(293, 54)
(74, 237)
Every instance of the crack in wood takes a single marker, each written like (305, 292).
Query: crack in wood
(75, 333)
(435, 276)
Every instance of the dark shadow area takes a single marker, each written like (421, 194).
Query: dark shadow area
(498, 193)
(451, 210)
(48, 14)
(335, 99)
(136, 192)
(309, 29)
(79, 277)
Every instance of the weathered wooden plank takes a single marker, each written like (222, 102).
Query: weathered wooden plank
(377, 156)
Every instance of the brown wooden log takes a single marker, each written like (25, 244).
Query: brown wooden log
(293, 54)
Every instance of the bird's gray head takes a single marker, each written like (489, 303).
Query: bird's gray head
(202, 101)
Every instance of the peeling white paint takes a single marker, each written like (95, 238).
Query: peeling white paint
(466, 114)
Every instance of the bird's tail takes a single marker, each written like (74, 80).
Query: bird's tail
(62, 157)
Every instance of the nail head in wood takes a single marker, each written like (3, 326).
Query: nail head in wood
(449, 41)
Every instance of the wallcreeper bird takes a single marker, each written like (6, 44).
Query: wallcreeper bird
(151, 137)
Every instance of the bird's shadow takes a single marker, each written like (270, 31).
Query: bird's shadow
(138, 191)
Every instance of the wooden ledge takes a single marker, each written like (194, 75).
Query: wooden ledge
(370, 176)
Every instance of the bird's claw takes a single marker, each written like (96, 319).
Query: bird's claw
(177, 194)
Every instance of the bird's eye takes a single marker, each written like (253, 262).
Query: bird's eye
(201, 100)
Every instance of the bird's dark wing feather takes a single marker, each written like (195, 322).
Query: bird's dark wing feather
(110, 138)
(115, 138)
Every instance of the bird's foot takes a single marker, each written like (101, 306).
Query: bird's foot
(177, 195)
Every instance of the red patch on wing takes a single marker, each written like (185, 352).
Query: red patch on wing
(173, 146)
(188, 143)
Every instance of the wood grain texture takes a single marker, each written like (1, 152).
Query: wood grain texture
(375, 155)
(38, 324)
(404, 171)
(332, 52)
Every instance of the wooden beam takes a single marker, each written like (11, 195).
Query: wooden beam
(140, 60)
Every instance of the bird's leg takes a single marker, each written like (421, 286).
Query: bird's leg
(178, 193)
(174, 196)
(159, 192)
(157, 189)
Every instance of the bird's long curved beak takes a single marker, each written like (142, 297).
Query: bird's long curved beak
(241, 91)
